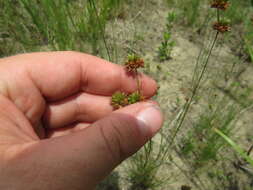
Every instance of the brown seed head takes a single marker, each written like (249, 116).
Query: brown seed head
(134, 63)
(220, 4)
(221, 27)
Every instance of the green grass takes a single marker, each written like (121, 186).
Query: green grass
(143, 169)
(201, 144)
(57, 25)
(235, 146)
(189, 10)
(248, 38)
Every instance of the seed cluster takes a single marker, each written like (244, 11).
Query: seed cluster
(133, 63)
(221, 27)
(220, 4)
(121, 99)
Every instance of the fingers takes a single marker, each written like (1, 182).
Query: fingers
(83, 107)
(56, 131)
(60, 74)
(55, 76)
(79, 108)
(90, 154)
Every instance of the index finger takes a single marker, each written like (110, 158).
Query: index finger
(61, 74)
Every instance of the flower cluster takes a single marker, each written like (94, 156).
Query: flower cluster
(220, 4)
(121, 99)
(133, 63)
(221, 27)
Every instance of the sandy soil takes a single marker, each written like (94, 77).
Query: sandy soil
(140, 31)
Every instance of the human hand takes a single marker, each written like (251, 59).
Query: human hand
(57, 128)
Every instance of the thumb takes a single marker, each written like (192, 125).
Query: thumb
(123, 133)
(82, 159)
(109, 141)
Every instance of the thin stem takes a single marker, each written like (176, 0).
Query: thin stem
(138, 82)
(101, 29)
(250, 149)
(218, 15)
(188, 104)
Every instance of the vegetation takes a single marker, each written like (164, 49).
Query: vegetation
(206, 47)
(55, 25)
(165, 49)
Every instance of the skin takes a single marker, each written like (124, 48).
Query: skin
(57, 128)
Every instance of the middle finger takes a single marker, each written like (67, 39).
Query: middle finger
(82, 107)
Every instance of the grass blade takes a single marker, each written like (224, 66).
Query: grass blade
(235, 146)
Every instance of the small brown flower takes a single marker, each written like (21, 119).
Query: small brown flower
(133, 63)
(221, 27)
(220, 4)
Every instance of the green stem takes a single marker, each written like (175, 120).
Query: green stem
(138, 83)
(101, 29)
(235, 146)
(188, 104)
(218, 15)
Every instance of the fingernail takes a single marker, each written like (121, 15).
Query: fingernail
(150, 119)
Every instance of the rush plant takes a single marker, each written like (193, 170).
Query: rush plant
(122, 99)
(201, 66)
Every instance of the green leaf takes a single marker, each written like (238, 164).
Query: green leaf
(236, 147)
